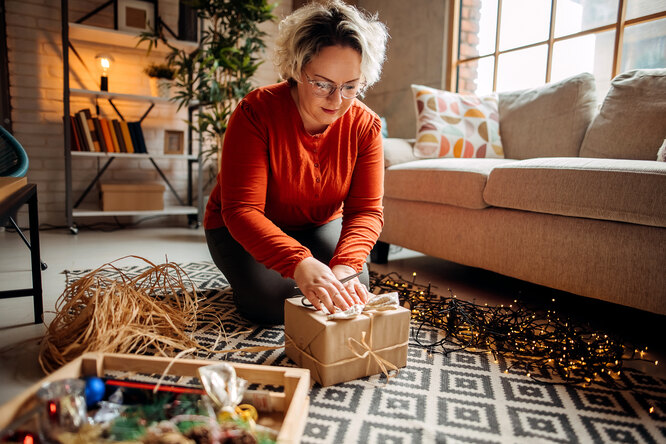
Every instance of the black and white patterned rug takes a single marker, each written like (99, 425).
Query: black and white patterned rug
(459, 398)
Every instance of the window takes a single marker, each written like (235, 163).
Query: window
(500, 45)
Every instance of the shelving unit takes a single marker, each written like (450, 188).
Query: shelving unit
(135, 156)
(165, 212)
(74, 209)
(112, 96)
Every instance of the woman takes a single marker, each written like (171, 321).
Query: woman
(298, 201)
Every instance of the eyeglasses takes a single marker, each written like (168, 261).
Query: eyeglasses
(321, 88)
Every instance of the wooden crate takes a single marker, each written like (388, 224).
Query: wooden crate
(290, 408)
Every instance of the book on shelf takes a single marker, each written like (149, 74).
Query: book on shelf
(112, 134)
(137, 137)
(100, 136)
(142, 139)
(82, 117)
(95, 146)
(103, 123)
(126, 135)
(75, 141)
(119, 135)
(135, 142)
(83, 142)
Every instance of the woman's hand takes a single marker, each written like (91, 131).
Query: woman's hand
(355, 288)
(320, 285)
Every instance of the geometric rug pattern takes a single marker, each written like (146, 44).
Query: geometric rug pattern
(462, 397)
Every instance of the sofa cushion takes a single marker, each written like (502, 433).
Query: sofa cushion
(632, 121)
(547, 121)
(457, 182)
(397, 151)
(608, 189)
(456, 125)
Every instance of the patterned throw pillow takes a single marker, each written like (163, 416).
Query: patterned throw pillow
(456, 125)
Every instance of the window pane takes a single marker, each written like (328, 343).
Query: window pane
(644, 46)
(573, 16)
(638, 8)
(522, 69)
(524, 22)
(476, 76)
(590, 53)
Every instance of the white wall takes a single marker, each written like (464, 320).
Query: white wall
(416, 55)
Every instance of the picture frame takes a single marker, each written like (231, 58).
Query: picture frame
(136, 15)
(188, 23)
(174, 142)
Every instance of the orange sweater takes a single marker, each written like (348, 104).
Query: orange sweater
(276, 176)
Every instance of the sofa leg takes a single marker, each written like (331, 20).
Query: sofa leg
(379, 253)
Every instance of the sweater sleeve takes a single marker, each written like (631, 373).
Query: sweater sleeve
(243, 182)
(363, 216)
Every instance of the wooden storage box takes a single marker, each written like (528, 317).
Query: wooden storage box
(289, 409)
(132, 196)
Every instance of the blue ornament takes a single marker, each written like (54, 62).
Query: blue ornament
(95, 389)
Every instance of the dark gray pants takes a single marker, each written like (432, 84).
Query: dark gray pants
(259, 292)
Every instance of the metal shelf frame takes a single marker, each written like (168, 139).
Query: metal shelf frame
(187, 206)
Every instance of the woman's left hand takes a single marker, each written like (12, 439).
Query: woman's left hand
(354, 286)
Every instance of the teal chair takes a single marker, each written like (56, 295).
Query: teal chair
(14, 163)
(13, 158)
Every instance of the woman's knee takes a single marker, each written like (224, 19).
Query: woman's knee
(263, 301)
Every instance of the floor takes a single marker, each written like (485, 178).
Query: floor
(89, 249)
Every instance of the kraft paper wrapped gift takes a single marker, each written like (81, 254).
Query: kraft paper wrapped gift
(335, 350)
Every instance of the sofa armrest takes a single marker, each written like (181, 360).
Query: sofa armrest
(397, 151)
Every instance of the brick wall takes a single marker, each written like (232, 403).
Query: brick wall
(469, 30)
(36, 91)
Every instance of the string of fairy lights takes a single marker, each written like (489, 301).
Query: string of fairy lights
(529, 341)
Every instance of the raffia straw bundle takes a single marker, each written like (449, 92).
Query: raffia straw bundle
(155, 312)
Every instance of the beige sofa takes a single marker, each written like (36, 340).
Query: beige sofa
(578, 203)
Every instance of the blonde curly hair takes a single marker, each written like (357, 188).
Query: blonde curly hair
(315, 26)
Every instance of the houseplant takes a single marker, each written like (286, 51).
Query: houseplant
(214, 77)
(161, 77)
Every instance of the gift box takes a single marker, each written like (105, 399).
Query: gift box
(341, 350)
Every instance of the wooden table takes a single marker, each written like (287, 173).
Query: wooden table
(27, 194)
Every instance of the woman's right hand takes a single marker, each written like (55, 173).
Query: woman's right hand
(320, 286)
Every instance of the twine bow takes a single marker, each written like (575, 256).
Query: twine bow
(366, 351)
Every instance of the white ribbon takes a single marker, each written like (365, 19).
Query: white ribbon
(380, 302)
